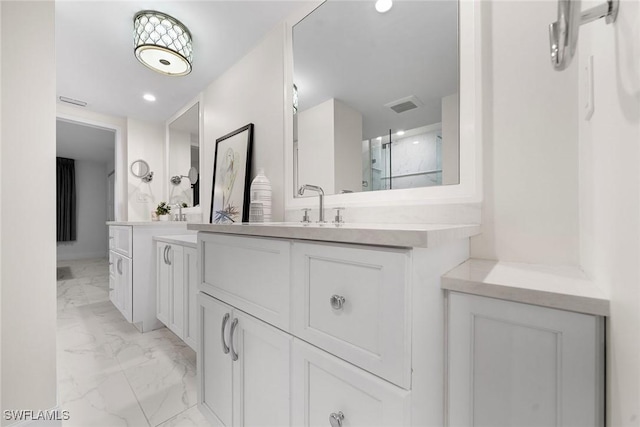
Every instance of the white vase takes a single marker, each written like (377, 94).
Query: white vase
(164, 217)
(261, 192)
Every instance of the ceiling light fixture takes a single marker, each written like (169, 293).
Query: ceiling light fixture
(384, 6)
(162, 43)
(400, 133)
(149, 97)
(72, 101)
(295, 99)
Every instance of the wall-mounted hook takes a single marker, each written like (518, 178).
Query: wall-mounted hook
(563, 34)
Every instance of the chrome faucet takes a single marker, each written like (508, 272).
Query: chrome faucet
(320, 192)
(179, 206)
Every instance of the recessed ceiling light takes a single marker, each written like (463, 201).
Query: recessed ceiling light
(149, 97)
(416, 142)
(400, 133)
(379, 138)
(383, 6)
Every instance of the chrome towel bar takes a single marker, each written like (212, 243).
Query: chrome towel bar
(563, 34)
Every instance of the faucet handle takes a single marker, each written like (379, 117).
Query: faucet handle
(305, 217)
(338, 219)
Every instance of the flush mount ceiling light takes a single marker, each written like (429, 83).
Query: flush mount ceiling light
(383, 6)
(149, 97)
(162, 43)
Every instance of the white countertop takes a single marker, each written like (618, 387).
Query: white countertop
(150, 223)
(400, 235)
(565, 288)
(190, 240)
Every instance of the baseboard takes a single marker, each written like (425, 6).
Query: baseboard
(42, 423)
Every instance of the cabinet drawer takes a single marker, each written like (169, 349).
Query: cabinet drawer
(324, 385)
(371, 329)
(251, 274)
(120, 240)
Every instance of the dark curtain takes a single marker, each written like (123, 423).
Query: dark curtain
(66, 201)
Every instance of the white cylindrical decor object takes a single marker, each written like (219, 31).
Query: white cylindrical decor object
(261, 192)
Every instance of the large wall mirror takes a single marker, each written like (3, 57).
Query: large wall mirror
(183, 154)
(376, 96)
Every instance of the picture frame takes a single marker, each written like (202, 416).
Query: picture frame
(232, 177)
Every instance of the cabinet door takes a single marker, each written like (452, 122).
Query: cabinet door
(513, 364)
(325, 387)
(176, 289)
(113, 278)
(190, 295)
(215, 380)
(124, 288)
(163, 278)
(261, 395)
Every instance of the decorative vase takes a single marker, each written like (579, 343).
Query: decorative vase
(261, 192)
(164, 217)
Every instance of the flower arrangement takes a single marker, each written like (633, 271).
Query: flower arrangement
(163, 209)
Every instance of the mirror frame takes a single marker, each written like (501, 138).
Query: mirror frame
(197, 100)
(469, 188)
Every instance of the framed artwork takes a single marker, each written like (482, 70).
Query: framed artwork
(231, 177)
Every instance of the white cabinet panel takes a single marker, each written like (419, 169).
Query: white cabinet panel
(163, 277)
(190, 295)
(513, 364)
(176, 296)
(121, 240)
(353, 302)
(120, 284)
(324, 385)
(243, 367)
(215, 374)
(251, 274)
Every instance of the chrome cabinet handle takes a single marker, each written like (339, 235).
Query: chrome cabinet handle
(337, 302)
(225, 319)
(234, 355)
(164, 254)
(168, 254)
(119, 266)
(335, 419)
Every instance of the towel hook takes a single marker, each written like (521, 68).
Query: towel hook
(563, 34)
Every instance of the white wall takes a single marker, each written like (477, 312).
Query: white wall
(347, 157)
(119, 124)
(249, 92)
(530, 140)
(28, 259)
(146, 141)
(91, 205)
(610, 197)
(315, 146)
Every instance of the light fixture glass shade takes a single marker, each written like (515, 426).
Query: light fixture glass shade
(295, 99)
(162, 43)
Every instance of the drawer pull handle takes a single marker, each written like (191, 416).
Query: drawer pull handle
(337, 302)
(225, 319)
(119, 266)
(234, 355)
(335, 419)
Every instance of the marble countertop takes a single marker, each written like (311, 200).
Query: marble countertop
(150, 223)
(190, 240)
(399, 235)
(564, 288)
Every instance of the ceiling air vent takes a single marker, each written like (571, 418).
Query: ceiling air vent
(405, 104)
(72, 101)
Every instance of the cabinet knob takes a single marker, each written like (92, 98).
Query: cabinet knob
(337, 302)
(335, 419)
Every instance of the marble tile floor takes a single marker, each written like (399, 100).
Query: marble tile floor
(109, 374)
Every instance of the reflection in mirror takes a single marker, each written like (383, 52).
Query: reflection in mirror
(140, 169)
(184, 155)
(376, 96)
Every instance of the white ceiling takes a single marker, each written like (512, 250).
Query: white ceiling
(95, 62)
(80, 142)
(348, 51)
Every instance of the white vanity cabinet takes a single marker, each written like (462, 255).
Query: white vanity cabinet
(120, 271)
(177, 285)
(520, 364)
(132, 276)
(350, 334)
(243, 366)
